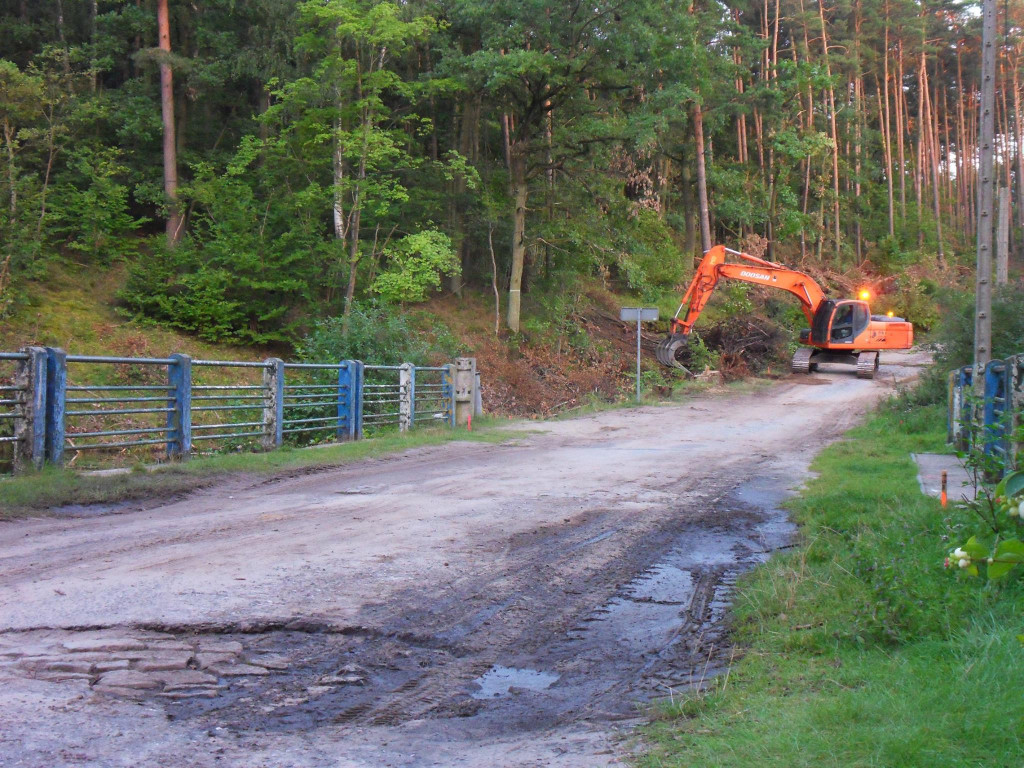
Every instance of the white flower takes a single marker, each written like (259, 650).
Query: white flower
(959, 554)
(1020, 509)
(964, 562)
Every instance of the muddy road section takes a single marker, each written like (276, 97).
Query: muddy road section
(470, 604)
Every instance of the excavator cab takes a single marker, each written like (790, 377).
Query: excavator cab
(837, 322)
(845, 331)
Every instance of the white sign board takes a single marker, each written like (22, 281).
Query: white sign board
(638, 314)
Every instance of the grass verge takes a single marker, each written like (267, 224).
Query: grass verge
(859, 649)
(38, 491)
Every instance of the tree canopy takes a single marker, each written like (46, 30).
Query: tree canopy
(329, 151)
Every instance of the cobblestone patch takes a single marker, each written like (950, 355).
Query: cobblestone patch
(133, 664)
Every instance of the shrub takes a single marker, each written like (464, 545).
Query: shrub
(379, 334)
(954, 337)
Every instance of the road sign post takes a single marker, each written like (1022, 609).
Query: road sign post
(640, 315)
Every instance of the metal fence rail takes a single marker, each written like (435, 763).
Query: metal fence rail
(12, 407)
(433, 395)
(57, 407)
(385, 389)
(138, 411)
(229, 415)
(320, 400)
(992, 420)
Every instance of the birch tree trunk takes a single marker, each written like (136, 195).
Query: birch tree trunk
(520, 191)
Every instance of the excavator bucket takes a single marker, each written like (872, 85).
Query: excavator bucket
(670, 347)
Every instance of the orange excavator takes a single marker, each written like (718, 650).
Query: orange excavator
(842, 331)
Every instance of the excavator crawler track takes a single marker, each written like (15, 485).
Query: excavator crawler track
(867, 365)
(669, 347)
(802, 361)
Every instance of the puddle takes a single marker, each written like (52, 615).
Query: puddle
(497, 681)
(663, 584)
(92, 510)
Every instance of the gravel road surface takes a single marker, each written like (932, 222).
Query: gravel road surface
(471, 604)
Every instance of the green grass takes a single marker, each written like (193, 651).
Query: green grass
(36, 492)
(858, 648)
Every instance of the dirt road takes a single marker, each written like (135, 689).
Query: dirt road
(464, 605)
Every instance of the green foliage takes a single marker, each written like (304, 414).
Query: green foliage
(242, 268)
(995, 548)
(91, 206)
(414, 265)
(379, 334)
(954, 337)
(356, 134)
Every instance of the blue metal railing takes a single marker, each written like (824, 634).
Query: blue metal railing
(57, 407)
(384, 388)
(990, 419)
(12, 405)
(319, 400)
(433, 395)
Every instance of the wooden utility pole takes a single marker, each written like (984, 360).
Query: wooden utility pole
(174, 220)
(986, 181)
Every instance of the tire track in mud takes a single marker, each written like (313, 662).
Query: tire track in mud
(615, 632)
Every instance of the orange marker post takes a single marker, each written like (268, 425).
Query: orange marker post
(942, 495)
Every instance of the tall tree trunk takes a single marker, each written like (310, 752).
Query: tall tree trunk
(520, 191)
(94, 74)
(886, 125)
(355, 217)
(898, 102)
(1019, 133)
(808, 129)
(702, 178)
(174, 218)
(1003, 236)
(858, 116)
(948, 186)
(962, 182)
(929, 126)
(882, 92)
(468, 131)
(12, 168)
(834, 131)
(689, 210)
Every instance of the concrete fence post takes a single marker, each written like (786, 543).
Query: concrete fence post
(30, 429)
(478, 400)
(406, 396)
(273, 405)
(56, 403)
(465, 386)
(179, 419)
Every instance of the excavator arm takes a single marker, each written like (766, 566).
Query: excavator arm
(712, 268)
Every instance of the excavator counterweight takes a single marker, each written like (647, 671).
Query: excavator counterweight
(841, 330)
